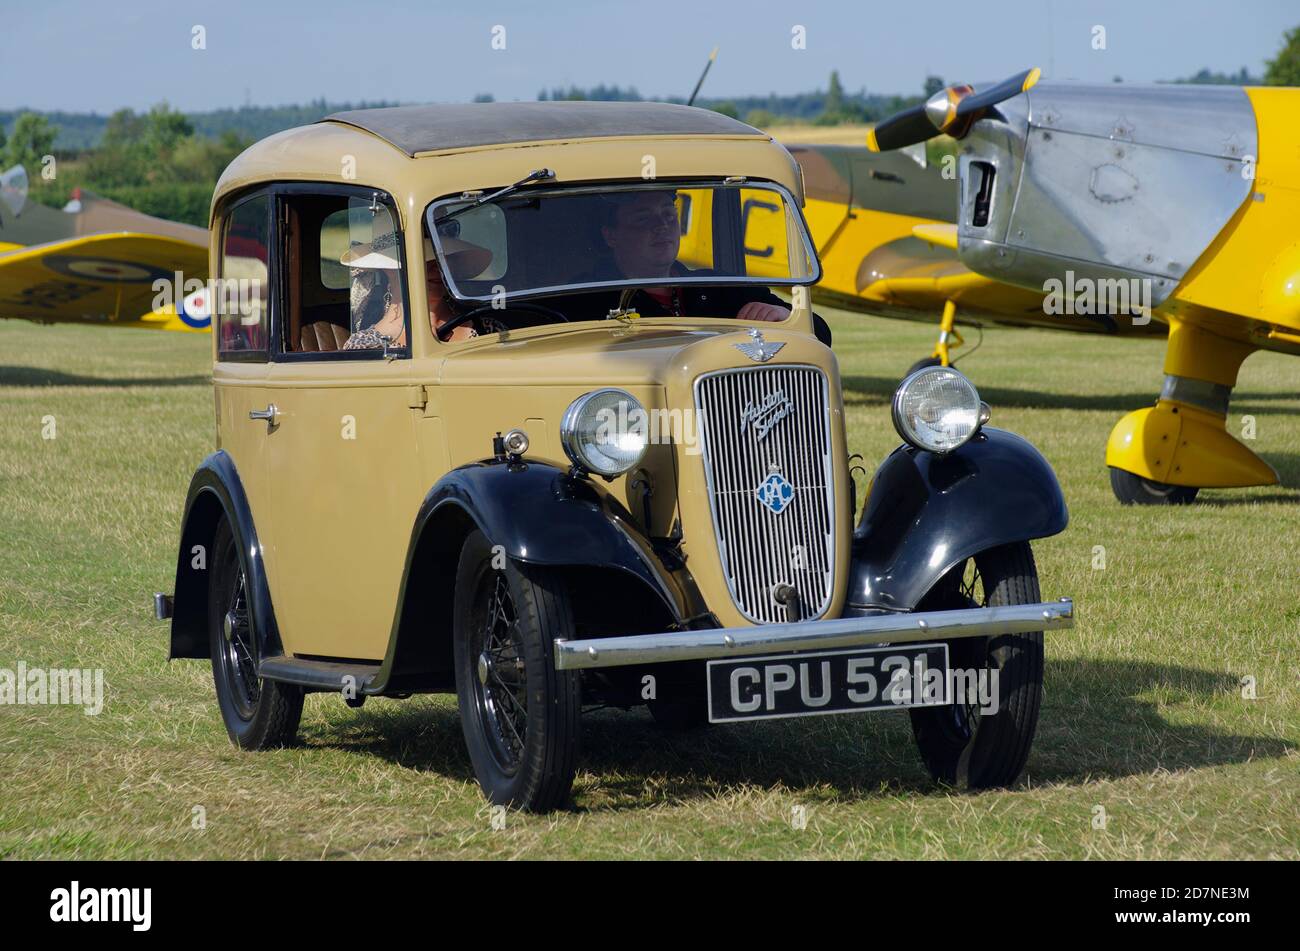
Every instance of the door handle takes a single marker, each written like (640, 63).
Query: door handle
(270, 415)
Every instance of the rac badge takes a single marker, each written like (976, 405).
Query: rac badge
(775, 492)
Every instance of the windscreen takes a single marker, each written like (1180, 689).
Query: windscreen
(558, 240)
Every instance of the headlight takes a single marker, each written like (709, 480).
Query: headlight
(605, 432)
(937, 408)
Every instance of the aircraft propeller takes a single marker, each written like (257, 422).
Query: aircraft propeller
(952, 110)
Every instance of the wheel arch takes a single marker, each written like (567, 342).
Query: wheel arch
(540, 516)
(926, 513)
(216, 492)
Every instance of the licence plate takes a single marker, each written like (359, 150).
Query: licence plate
(844, 681)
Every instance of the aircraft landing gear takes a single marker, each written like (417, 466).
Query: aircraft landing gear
(1132, 489)
(1164, 454)
(949, 339)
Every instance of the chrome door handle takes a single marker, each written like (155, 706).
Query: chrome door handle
(269, 415)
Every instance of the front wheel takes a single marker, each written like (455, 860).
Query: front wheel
(1132, 489)
(519, 714)
(922, 364)
(259, 714)
(983, 738)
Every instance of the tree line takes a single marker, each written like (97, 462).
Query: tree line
(166, 163)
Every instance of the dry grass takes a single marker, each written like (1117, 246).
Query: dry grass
(1143, 714)
(821, 134)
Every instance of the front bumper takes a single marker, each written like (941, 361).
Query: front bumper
(812, 635)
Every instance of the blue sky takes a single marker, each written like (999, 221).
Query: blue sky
(80, 56)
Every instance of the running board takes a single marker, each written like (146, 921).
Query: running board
(318, 674)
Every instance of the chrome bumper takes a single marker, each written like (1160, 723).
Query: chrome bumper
(812, 635)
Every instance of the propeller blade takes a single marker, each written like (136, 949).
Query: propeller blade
(1021, 82)
(952, 110)
(901, 130)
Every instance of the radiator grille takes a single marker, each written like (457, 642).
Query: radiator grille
(755, 422)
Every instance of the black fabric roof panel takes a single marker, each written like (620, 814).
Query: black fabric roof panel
(467, 125)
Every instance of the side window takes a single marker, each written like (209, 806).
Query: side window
(344, 286)
(245, 277)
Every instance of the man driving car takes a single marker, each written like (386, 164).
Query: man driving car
(643, 234)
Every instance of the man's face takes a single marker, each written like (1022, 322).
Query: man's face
(645, 236)
(438, 309)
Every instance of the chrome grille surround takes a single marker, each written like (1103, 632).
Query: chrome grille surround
(756, 546)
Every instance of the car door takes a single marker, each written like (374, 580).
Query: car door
(342, 462)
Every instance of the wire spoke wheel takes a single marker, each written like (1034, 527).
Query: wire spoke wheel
(519, 714)
(982, 738)
(259, 714)
(239, 655)
(965, 710)
(501, 693)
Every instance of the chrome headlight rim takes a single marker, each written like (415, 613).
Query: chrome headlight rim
(570, 433)
(981, 410)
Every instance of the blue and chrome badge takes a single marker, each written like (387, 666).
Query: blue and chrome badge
(775, 492)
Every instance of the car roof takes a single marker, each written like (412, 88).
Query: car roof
(434, 128)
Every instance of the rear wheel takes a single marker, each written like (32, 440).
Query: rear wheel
(979, 742)
(519, 714)
(1135, 490)
(259, 714)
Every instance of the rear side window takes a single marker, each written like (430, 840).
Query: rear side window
(244, 289)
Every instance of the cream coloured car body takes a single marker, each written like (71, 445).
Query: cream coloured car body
(334, 546)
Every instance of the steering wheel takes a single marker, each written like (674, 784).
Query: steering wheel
(445, 330)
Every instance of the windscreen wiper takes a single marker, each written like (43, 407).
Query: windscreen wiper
(536, 175)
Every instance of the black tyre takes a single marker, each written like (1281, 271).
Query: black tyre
(922, 364)
(259, 714)
(519, 714)
(1133, 489)
(961, 745)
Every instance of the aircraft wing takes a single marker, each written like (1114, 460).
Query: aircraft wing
(105, 279)
(912, 277)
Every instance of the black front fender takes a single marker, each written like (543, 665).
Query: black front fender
(216, 492)
(541, 515)
(926, 513)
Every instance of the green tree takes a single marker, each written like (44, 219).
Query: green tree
(32, 140)
(118, 162)
(201, 160)
(932, 85)
(834, 95)
(726, 108)
(1284, 69)
(123, 129)
(164, 128)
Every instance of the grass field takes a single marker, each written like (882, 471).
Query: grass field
(1143, 716)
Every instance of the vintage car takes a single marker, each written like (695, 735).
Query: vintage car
(505, 406)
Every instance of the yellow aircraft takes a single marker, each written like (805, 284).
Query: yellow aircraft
(94, 262)
(1088, 208)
